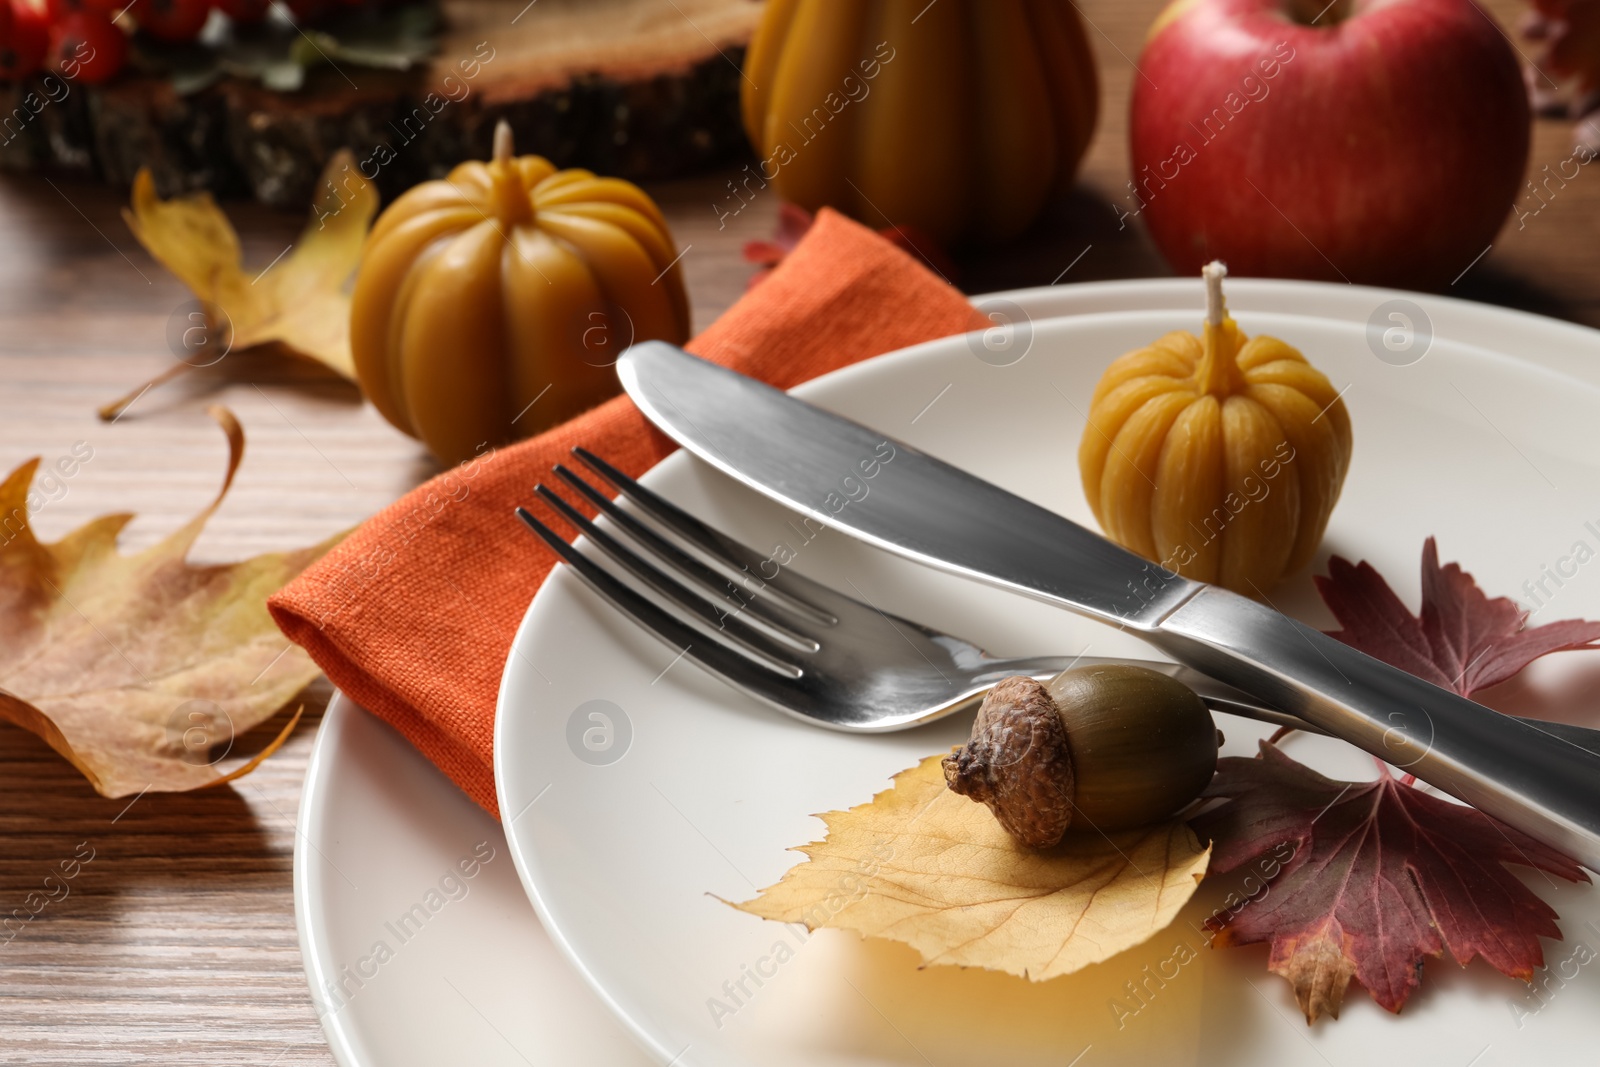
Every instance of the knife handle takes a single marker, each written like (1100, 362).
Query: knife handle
(1541, 784)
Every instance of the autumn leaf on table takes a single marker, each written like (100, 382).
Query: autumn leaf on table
(1385, 875)
(1564, 75)
(922, 865)
(1570, 30)
(134, 667)
(299, 300)
(795, 221)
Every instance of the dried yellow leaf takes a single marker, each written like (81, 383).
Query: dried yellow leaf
(299, 299)
(139, 668)
(921, 865)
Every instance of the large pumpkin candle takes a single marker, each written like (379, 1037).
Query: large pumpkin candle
(1219, 456)
(957, 119)
(492, 304)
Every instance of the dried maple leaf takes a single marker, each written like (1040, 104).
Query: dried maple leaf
(1564, 76)
(299, 299)
(921, 865)
(1382, 876)
(1463, 640)
(135, 668)
(793, 223)
(1571, 32)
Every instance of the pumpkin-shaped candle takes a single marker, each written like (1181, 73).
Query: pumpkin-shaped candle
(1219, 456)
(491, 305)
(956, 119)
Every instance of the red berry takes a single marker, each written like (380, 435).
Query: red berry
(244, 11)
(85, 46)
(172, 20)
(24, 36)
(60, 9)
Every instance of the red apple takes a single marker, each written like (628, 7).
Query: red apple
(1375, 141)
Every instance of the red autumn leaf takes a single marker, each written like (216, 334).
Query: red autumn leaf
(1563, 75)
(794, 221)
(1570, 30)
(1463, 640)
(1382, 876)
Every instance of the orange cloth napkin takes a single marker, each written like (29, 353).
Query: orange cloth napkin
(412, 615)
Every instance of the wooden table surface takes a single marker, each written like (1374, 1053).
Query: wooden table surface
(177, 944)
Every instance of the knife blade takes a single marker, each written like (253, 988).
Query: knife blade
(886, 492)
(879, 489)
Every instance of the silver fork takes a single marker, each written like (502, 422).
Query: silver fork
(802, 647)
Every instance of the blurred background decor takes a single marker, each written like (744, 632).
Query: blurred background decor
(251, 99)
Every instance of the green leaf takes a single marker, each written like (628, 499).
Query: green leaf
(276, 52)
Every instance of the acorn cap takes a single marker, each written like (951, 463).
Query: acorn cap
(1018, 723)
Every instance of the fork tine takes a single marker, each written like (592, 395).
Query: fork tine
(699, 605)
(754, 674)
(751, 600)
(714, 543)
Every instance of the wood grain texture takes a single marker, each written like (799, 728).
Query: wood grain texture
(177, 943)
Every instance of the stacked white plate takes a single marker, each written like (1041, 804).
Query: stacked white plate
(421, 945)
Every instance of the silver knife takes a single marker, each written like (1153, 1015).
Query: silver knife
(889, 494)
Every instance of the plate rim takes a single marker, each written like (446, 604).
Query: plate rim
(311, 919)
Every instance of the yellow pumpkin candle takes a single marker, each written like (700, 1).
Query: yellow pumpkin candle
(491, 305)
(1219, 456)
(958, 119)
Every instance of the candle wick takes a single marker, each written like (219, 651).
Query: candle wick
(1216, 308)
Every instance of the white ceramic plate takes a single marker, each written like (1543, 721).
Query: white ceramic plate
(697, 793)
(411, 962)
(377, 811)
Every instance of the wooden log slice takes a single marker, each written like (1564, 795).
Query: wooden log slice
(634, 88)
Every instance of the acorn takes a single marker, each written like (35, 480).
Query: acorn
(1099, 748)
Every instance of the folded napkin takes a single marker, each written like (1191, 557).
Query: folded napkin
(412, 615)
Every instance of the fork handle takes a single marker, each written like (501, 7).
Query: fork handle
(1219, 696)
(1518, 773)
